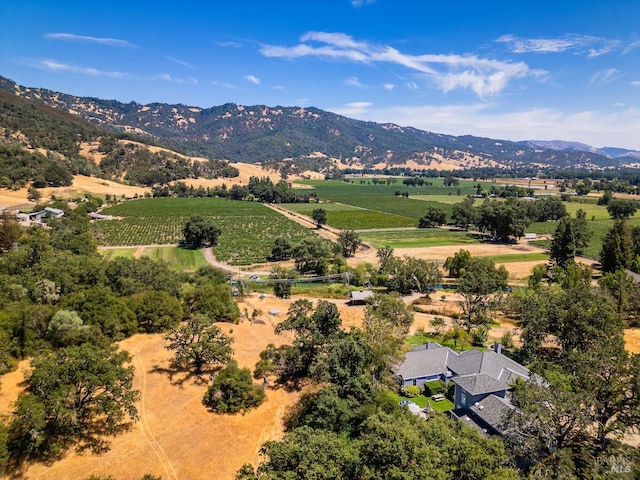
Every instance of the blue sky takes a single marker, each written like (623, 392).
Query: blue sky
(512, 69)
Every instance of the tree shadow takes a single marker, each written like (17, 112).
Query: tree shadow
(94, 441)
(179, 374)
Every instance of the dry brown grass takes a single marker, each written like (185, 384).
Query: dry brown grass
(176, 437)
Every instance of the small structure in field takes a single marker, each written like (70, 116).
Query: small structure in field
(359, 297)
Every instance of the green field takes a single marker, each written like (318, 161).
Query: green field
(345, 217)
(519, 257)
(112, 253)
(248, 228)
(383, 198)
(417, 237)
(184, 207)
(177, 258)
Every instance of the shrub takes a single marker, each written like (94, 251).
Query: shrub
(411, 391)
(434, 387)
(233, 391)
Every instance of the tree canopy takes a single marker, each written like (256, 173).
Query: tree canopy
(200, 231)
(75, 395)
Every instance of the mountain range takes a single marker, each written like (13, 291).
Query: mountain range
(316, 138)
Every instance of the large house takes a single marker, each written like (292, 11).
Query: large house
(482, 380)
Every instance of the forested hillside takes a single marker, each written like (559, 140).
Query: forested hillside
(41, 146)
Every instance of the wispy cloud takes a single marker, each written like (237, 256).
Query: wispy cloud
(181, 63)
(603, 77)
(225, 85)
(635, 83)
(253, 79)
(55, 66)
(587, 45)
(113, 42)
(353, 82)
(168, 78)
(353, 109)
(485, 77)
(389, 86)
(359, 3)
(228, 44)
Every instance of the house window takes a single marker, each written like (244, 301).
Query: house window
(415, 382)
(463, 398)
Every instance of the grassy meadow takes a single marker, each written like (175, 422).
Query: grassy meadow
(178, 258)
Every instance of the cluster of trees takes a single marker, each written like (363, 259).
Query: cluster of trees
(313, 254)
(505, 219)
(138, 165)
(258, 189)
(65, 306)
(347, 425)
(573, 335)
(482, 287)
(19, 167)
(407, 274)
(200, 231)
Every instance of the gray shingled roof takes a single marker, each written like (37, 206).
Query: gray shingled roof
(477, 384)
(493, 410)
(465, 363)
(489, 362)
(434, 359)
(423, 363)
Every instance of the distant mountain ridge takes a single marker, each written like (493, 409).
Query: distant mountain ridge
(565, 146)
(310, 136)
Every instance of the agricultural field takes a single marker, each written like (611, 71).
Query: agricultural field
(344, 217)
(178, 258)
(598, 221)
(248, 229)
(418, 238)
(113, 253)
(383, 197)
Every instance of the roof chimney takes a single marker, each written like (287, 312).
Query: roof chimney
(497, 347)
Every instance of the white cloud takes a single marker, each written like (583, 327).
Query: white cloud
(389, 86)
(635, 83)
(181, 62)
(253, 79)
(483, 76)
(55, 66)
(114, 42)
(354, 109)
(580, 44)
(353, 82)
(598, 128)
(229, 44)
(603, 77)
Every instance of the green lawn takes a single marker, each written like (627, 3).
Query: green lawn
(442, 406)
